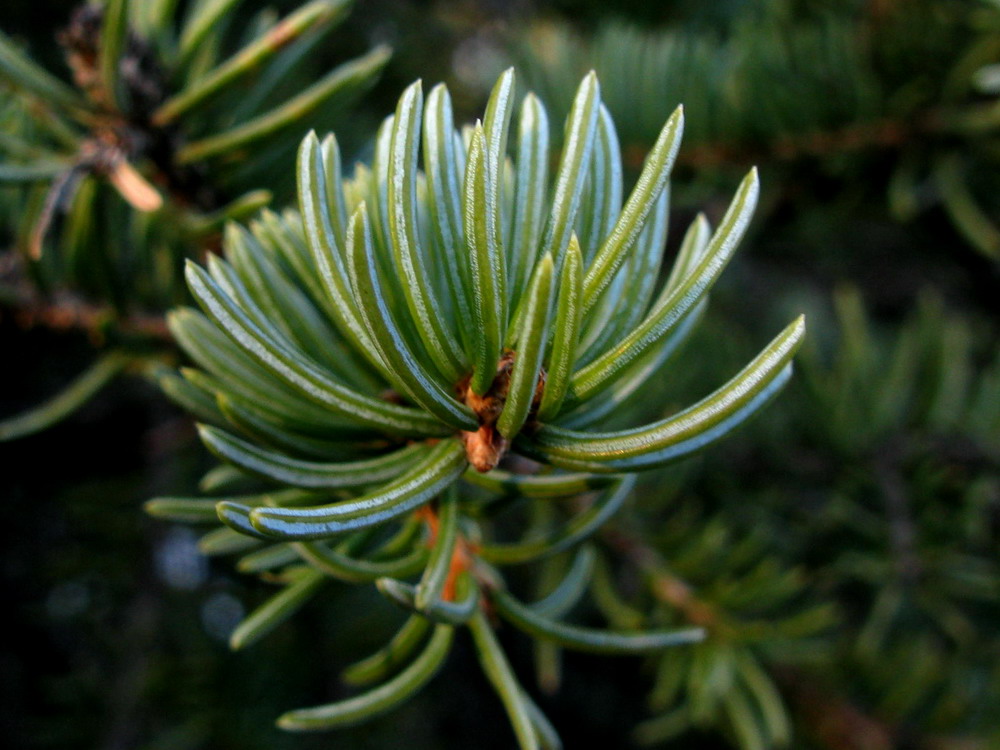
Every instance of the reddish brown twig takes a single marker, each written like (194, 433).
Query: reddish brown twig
(66, 312)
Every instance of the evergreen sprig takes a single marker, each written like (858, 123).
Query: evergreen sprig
(140, 161)
(165, 134)
(379, 355)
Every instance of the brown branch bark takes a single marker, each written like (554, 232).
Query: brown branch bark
(831, 720)
(883, 133)
(664, 585)
(64, 311)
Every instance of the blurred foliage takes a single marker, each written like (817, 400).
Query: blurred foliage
(889, 502)
(138, 162)
(916, 418)
(867, 97)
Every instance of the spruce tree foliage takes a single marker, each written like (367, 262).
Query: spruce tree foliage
(110, 182)
(838, 553)
(415, 353)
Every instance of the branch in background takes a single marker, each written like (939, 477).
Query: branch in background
(884, 133)
(664, 585)
(69, 313)
(902, 527)
(837, 724)
(832, 721)
(65, 311)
